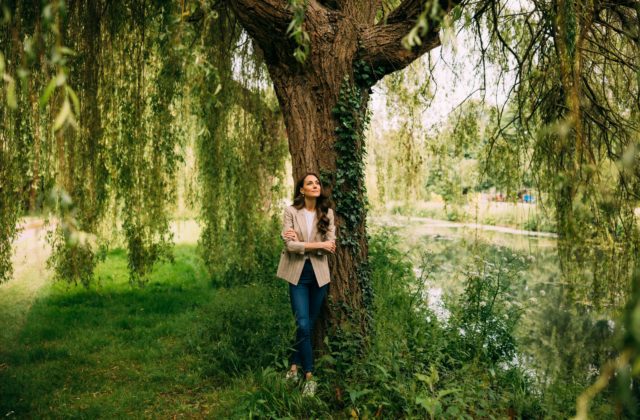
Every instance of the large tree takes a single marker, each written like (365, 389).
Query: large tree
(343, 38)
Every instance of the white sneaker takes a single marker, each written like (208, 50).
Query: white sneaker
(309, 389)
(292, 376)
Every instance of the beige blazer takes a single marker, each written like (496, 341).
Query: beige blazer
(292, 256)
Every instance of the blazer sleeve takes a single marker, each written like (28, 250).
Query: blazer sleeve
(296, 247)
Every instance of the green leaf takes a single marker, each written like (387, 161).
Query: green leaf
(423, 378)
(446, 392)
(456, 13)
(66, 50)
(354, 394)
(74, 99)
(291, 26)
(63, 115)
(299, 55)
(12, 101)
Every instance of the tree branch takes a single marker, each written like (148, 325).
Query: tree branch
(381, 44)
(382, 47)
(361, 11)
(407, 10)
(263, 19)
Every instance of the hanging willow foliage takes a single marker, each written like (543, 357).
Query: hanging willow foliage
(30, 38)
(576, 105)
(143, 145)
(241, 127)
(104, 118)
(80, 171)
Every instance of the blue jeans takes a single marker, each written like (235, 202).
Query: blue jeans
(306, 301)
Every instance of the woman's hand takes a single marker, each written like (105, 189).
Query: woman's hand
(291, 234)
(329, 246)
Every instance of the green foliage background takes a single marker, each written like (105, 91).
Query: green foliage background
(105, 102)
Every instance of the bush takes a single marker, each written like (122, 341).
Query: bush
(419, 366)
(454, 215)
(484, 318)
(532, 224)
(245, 263)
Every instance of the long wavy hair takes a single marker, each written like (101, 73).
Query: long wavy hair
(323, 203)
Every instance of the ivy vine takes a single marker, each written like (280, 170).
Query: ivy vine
(349, 190)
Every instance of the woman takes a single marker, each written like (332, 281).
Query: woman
(309, 235)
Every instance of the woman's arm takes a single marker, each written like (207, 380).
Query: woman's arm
(328, 246)
(292, 245)
(324, 247)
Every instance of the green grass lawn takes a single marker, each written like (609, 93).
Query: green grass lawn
(118, 351)
(508, 214)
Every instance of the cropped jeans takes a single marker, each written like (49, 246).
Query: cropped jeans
(306, 301)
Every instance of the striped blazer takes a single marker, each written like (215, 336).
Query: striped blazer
(292, 256)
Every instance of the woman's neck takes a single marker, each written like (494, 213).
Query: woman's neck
(310, 203)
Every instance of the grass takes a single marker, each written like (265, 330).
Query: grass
(29, 278)
(117, 351)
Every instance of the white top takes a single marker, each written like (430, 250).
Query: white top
(310, 216)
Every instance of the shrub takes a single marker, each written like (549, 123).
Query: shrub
(415, 366)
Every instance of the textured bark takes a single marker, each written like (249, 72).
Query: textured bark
(341, 32)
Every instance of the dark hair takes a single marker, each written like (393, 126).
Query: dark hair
(322, 203)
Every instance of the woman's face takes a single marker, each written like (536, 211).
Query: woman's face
(311, 186)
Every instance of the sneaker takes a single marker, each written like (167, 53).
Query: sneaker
(291, 376)
(309, 389)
